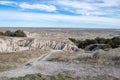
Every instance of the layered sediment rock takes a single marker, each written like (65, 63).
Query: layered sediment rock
(10, 44)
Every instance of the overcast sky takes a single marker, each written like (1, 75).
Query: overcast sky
(60, 13)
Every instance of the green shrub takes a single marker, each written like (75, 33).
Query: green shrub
(19, 33)
(100, 40)
(115, 42)
(9, 33)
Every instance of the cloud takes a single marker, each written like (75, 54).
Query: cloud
(48, 8)
(110, 3)
(8, 3)
(76, 4)
(8, 15)
(78, 7)
(24, 5)
(105, 8)
(91, 7)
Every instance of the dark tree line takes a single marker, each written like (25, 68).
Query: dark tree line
(109, 43)
(17, 33)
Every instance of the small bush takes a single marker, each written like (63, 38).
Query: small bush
(19, 33)
(100, 40)
(9, 33)
(1, 33)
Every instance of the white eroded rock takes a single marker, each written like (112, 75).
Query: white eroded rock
(11, 44)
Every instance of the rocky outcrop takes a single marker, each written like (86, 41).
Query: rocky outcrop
(12, 44)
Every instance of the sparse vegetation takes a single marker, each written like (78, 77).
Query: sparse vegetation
(64, 76)
(108, 43)
(111, 57)
(12, 60)
(17, 33)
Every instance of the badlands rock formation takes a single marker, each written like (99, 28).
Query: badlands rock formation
(12, 44)
(59, 58)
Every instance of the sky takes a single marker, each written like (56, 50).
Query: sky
(60, 13)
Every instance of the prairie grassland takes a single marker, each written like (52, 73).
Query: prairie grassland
(14, 59)
(111, 57)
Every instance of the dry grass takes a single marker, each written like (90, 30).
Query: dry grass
(63, 56)
(64, 76)
(111, 57)
(14, 59)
